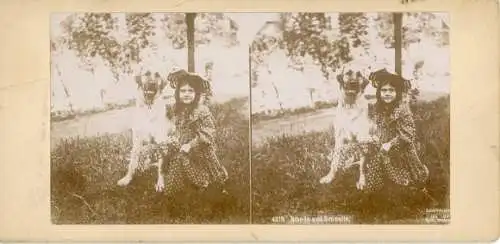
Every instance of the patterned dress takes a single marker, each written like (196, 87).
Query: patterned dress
(201, 165)
(350, 153)
(150, 153)
(401, 164)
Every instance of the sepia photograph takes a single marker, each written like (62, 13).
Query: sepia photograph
(275, 121)
(350, 117)
(150, 119)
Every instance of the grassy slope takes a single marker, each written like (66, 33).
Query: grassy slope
(285, 172)
(84, 172)
(287, 169)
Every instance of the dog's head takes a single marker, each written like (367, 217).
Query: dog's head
(151, 85)
(352, 83)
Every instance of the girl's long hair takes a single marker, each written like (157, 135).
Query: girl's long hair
(380, 105)
(179, 106)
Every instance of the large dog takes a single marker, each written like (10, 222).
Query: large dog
(151, 128)
(352, 126)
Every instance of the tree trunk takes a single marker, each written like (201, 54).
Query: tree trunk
(311, 97)
(65, 88)
(398, 48)
(190, 40)
(102, 94)
(398, 37)
(68, 96)
(277, 95)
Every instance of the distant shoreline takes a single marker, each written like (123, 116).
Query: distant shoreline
(66, 115)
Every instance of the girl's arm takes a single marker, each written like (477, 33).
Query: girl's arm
(405, 126)
(206, 129)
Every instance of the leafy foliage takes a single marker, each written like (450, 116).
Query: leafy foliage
(89, 36)
(416, 26)
(140, 29)
(93, 35)
(304, 34)
(309, 34)
(353, 28)
(207, 26)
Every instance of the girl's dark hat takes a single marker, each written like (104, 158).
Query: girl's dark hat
(177, 75)
(383, 76)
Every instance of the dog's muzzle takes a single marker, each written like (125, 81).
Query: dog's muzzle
(150, 90)
(352, 87)
(351, 91)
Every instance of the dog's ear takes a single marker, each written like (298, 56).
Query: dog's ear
(162, 82)
(364, 82)
(138, 80)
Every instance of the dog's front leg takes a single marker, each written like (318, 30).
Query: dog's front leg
(333, 170)
(329, 177)
(132, 167)
(160, 182)
(334, 158)
(361, 181)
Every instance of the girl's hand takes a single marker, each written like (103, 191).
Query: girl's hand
(386, 147)
(185, 148)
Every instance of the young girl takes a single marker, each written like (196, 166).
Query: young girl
(396, 131)
(197, 161)
(394, 171)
